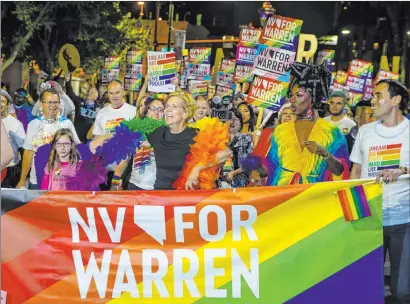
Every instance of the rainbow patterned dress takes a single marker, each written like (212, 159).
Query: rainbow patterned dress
(288, 164)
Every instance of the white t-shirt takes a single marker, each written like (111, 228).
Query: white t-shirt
(377, 148)
(40, 133)
(144, 168)
(344, 124)
(16, 133)
(108, 118)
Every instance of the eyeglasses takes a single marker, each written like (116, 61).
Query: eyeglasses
(65, 145)
(158, 110)
(172, 107)
(54, 103)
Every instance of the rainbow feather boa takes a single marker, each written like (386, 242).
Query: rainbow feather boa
(128, 137)
(213, 137)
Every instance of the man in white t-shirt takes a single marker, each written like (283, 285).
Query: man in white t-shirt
(41, 131)
(110, 117)
(382, 150)
(337, 103)
(16, 134)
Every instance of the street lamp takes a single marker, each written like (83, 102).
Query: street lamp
(141, 4)
(345, 32)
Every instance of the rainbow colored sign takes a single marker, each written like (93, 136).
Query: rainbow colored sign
(132, 84)
(112, 63)
(381, 74)
(199, 71)
(243, 73)
(281, 32)
(200, 55)
(135, 56)
(161, 70)
(227, 66)
(262, 245)
(249, 36)
(198, 87)
(359, 68)
(273, 63)
(268, 93)
(246, 54)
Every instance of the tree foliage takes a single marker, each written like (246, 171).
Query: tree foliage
(37, 30)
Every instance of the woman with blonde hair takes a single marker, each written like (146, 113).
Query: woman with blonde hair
(186, 157)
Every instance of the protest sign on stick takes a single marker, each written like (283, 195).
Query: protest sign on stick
(281, 32)
(273, 62)
(268, 93)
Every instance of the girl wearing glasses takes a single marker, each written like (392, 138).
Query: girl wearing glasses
(66, 171)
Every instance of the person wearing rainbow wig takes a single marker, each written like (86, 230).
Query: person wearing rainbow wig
(309, 149)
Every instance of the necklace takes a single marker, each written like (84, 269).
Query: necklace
(310, 114)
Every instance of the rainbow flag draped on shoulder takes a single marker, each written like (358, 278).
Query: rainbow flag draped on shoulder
(289, 244)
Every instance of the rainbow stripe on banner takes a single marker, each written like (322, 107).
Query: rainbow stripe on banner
(261, 245)
(354, 203)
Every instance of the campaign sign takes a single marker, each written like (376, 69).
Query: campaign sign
(281, 32)
(250, 36)
(368, 92)
(246, 54)
(225, 80)
(341, 77)
(108, 75)
(326, 56)
(198, 88)
(268, 93)
(354, 98)
(243, 73)
(112, 63)
(133, 71)
(355, 84)
(359, 68)
(273, 62)
(161, 70)
(223, 91)
(200, 55)
(385, 75)
(199, 71)
(132, 84)
(135, 56)
(227, 66)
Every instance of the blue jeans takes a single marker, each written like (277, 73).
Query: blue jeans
(397, 241)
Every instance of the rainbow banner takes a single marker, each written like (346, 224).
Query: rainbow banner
(268, 245)
(281, 32)
(268, 93)
(132, 84)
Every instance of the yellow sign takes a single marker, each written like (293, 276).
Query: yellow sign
(69, 58)
(306, 54)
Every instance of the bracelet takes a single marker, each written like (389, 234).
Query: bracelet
(115, 180)
(327, 157)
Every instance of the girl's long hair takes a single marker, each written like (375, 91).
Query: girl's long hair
(53, 159)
